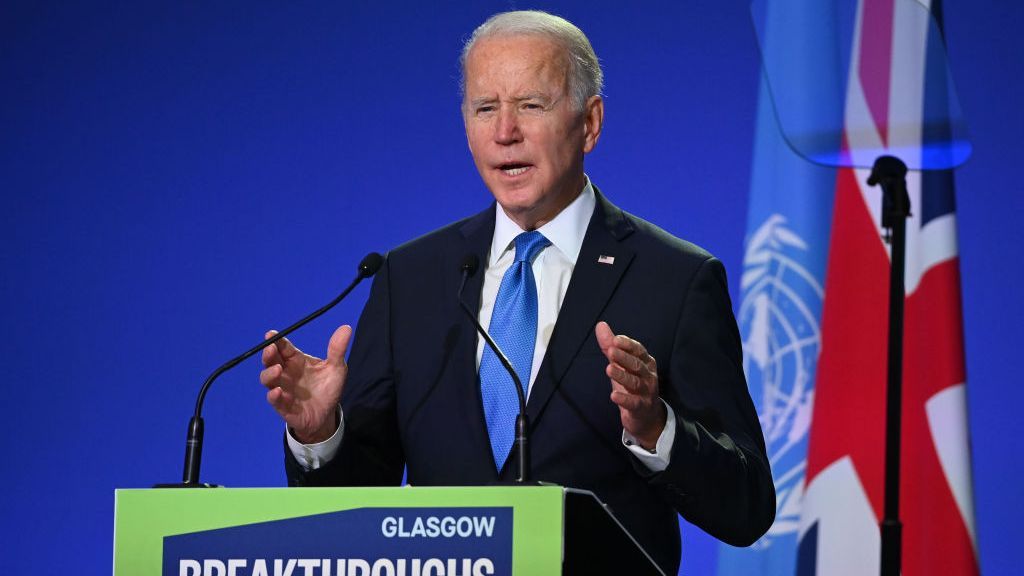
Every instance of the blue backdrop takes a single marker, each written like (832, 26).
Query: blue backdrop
(178, 178)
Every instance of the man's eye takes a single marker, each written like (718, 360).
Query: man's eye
(485, 109)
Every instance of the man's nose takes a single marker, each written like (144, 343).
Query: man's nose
(507, 129)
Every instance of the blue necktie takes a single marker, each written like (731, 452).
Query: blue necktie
(514, 329)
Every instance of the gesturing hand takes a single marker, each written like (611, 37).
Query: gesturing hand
(634, 379)
(304, 389)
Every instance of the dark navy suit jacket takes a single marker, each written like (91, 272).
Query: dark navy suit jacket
(412, 398)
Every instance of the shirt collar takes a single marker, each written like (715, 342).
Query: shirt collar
(565, 231)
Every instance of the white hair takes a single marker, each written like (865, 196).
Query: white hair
(584, 75)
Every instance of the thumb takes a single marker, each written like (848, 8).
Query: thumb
(605, 336)
(338, 344)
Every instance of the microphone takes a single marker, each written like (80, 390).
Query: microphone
(469, 265)
(891, 173)
(194, 442)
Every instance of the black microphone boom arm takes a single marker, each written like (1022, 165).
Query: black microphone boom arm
(194, 442)
(469, 265)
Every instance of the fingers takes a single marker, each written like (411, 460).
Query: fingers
(277, 398)
(629, 363)
(638, 365)
(338, 344)
(626, 399)
(632, 382)
(609, 343)
(605, 336)
(269, 354)
(302, 389)
(282, 356)
(285, 348)
(633, 373)
(282, 350)
(270, 376)
(270, 357)
(282, 402)
(632, 348)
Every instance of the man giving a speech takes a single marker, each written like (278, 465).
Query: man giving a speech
(623, 334)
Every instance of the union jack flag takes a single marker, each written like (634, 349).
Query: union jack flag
(819, 374)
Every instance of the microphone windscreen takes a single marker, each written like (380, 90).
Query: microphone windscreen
(370, 264)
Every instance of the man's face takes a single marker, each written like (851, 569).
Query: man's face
(525, 134)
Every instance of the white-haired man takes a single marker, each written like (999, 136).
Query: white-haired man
(656, 420)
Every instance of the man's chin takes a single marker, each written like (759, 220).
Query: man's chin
(516, 199)
(522, 213)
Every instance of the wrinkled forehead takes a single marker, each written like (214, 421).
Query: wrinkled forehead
(516, 62)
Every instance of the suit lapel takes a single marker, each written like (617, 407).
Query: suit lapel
(476, 234)
(602, 261)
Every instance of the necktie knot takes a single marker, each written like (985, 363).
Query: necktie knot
(528, 245)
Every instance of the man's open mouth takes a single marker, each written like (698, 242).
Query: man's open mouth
(514, 168)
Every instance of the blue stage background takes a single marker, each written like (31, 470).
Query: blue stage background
(177, 178)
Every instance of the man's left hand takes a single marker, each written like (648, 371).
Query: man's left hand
(634, 378)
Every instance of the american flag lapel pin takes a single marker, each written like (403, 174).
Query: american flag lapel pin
(602, 259)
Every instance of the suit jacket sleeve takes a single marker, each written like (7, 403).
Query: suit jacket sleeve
(718, 477)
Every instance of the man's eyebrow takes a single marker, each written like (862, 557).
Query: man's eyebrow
(482, 100)
(533, 96)
(539, 96)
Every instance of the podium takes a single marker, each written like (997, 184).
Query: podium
(408, 531)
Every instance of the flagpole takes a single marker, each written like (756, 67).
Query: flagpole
(890, 172)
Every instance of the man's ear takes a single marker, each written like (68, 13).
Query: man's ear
(593, 120)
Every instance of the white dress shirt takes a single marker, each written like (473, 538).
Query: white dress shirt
(552, 269)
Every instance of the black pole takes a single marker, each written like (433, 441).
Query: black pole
(890, 172)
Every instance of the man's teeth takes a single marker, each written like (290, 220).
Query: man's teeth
(515, 171)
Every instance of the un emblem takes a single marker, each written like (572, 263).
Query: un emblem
(778, 318)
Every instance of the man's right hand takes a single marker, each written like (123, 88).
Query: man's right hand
(304, 389)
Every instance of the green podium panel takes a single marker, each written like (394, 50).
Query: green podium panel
(339, 531)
